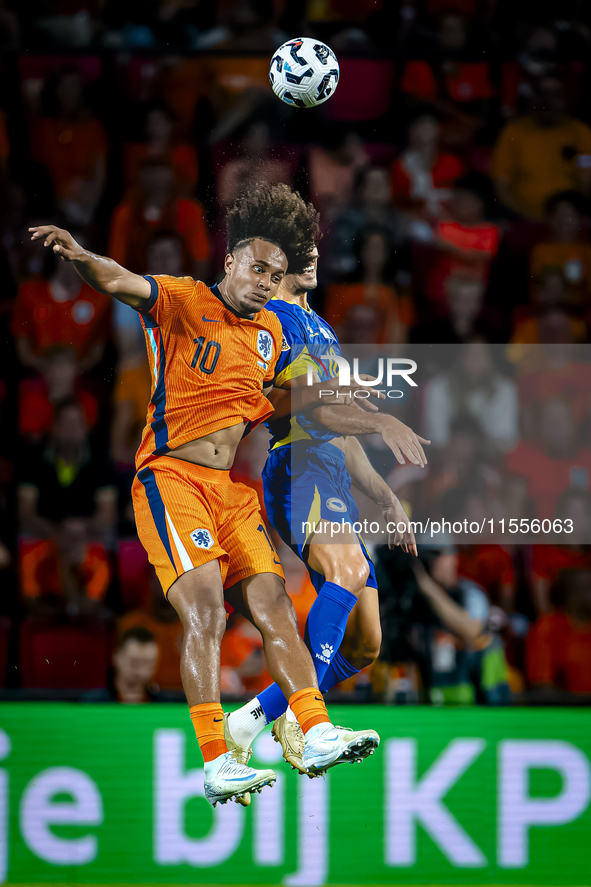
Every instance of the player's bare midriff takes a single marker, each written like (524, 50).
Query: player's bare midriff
(216, 450)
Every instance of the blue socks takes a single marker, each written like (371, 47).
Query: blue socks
(338, 670)
(325, 630)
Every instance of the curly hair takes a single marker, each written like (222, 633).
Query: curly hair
(279, 215)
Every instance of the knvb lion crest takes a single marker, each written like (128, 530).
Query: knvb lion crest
(265, 345)
(202, 538)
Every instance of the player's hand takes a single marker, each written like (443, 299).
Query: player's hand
(60, 240)
(403, 441)
(403, 535)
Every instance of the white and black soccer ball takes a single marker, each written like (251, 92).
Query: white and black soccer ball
(304, 72)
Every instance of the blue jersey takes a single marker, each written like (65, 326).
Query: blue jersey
(306, 338)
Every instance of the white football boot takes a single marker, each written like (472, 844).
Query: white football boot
(227, 779)
(240, 754)
(325, 746)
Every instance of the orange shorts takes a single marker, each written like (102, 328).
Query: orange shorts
(188, 515)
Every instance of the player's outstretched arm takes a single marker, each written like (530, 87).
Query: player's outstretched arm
(366, 478)
(296, 396)
(402, 440)
(101, 273)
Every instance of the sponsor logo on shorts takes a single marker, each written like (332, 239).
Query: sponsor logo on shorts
(334, 504)
(327, 652)
(202, 538)
(265, 345)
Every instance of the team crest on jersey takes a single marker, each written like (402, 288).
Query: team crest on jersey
(265, 345)
(202, 538)
(285, 346)
(335, 504)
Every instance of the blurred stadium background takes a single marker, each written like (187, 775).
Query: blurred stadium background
(452, 168)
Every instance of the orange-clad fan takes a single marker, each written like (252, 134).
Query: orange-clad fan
(159, 142)
(559, 644)
(154, 209)
(491, 567)
(62, 311)
(72, 144)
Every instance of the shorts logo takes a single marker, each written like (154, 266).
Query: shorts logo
(265, 345)
(334, 504)
(202, 538)
(327, 652)
(284, 345)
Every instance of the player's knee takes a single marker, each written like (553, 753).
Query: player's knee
(203, 620)
(364, 648)
(278, 613)
(371, 643)
(351, 573)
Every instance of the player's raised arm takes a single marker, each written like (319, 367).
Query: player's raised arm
(366, 478)
(101, 273)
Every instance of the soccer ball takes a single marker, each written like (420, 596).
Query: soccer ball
(304, 72)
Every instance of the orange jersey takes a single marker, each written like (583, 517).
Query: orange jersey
(208, 364)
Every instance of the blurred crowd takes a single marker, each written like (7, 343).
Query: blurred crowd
(452, 168)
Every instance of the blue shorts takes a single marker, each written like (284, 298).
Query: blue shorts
(305, 484)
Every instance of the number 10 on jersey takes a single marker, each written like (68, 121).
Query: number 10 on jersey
(206, 365)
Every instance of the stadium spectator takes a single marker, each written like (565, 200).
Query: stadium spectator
(568, 251)
(159, 141)
(256, 162)
(460, 465)
(373, 287)
(552, 371)
(552, 463)
(134, 664)
(371, 206)
(559, 644)
(65, 478)
(332, 167)
(441, 621)
(541, 153)
(565, 551)
(423, 176)
(491, 567)
(162, 622)
(475, 386)
(453, 77)
(39, 396)
(67, 573)
(60, 311)
(548, 320)
(72, 144)
(466, 242)
(244, 25)
(464, 316)
(154, 208)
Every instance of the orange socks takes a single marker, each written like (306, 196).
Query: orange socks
(309, 708)
(208, 720)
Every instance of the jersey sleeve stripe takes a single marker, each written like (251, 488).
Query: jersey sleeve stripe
(159, 426)
(153, 294)
(154, 347)
(157, 507)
